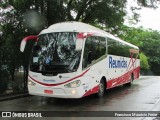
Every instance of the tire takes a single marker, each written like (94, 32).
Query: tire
(131, 81)
(101, 89)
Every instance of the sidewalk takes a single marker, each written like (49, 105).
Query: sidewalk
(14, 96)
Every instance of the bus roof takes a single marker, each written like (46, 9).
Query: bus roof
(73, 26)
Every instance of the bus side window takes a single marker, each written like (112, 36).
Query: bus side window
(99, 47)
(112, 47)
(95, 47)
(87, 51)
(119, 48)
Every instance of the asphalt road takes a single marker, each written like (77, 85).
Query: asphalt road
(143, 95)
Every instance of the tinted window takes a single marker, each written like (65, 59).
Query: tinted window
(119, 48)
(55, 53)
(113, 47)
(95, 47)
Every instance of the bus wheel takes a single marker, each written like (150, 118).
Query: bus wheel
(101, 89)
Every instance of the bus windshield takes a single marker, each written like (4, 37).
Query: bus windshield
(55, 53)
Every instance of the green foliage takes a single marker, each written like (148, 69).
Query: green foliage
(110, 13)
(144, 61)
(148, 42)
(19, 18)
(148, 3)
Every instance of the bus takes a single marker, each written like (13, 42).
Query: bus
(74, 59)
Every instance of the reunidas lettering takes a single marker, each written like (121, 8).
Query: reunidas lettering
(117, 63)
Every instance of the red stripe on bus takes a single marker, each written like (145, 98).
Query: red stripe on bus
(59, 83)
(94, 90)
(124, 78)
(118, 81)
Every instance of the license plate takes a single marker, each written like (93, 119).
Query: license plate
(48, 91)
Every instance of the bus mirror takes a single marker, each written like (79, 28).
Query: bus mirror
(79, 44)
(24, 41)
(22, 46)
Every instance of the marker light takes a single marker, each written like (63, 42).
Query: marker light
(73, 84)
(31, 83)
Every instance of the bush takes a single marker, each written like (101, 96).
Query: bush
(144, 62)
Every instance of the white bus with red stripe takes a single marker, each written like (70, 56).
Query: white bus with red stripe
(74, 59)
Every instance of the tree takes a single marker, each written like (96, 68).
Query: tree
(148, 42)
(152, 49)
(144, 62)
(19, 18)
(109, 13)
(148, 3)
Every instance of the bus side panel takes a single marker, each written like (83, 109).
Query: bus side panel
(120, 70)
(96, 72)
(115, 75)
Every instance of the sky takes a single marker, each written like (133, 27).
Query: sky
(149, 17)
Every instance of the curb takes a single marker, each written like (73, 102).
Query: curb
(10, 97)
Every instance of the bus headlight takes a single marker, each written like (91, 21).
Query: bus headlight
(31, 83)
(73, 84)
